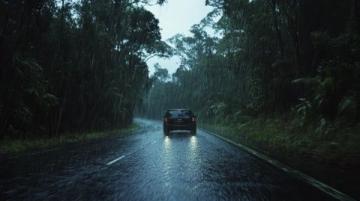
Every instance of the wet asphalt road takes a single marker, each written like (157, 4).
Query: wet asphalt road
(149, 166)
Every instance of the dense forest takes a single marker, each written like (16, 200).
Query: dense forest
(279, 76)
(296, 59)
(81, 65)
(70, 66)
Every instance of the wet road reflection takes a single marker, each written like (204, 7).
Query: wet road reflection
(151, 166)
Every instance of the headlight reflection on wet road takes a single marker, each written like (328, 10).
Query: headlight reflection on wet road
(167, 157)
(151, 166)
(193, 147)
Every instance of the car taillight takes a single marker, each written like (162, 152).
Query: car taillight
(193, 119)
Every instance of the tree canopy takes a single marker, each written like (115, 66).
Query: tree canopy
(73, 65)
(298, 57)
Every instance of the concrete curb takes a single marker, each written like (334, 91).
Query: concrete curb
(293, 172)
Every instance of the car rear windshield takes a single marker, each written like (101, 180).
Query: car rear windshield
(180, 113)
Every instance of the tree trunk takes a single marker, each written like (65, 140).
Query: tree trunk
(277, 28)
(354, 22)
(59, 119)
(305, 42)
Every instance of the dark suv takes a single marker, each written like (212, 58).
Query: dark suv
(179, 119)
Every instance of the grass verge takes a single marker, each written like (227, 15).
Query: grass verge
(333, 157)
(13, 146)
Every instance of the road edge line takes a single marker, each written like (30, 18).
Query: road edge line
(291, 171)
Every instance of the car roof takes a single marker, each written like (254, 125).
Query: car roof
(177, 109)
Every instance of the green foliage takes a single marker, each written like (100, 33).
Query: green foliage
(73, 65)
(304, 112)
(294, 58)
(13, 146)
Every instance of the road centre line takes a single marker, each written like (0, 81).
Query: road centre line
(116, 160)
(123, 156)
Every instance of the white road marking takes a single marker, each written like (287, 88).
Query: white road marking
(123, 156)
(116, 160)
(295, 173)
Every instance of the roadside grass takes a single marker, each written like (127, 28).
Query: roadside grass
(281, 140)
(332, 157)
(13, 146)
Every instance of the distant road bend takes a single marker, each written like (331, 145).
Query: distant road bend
(149, 166)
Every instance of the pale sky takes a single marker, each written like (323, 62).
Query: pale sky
(176, 16)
